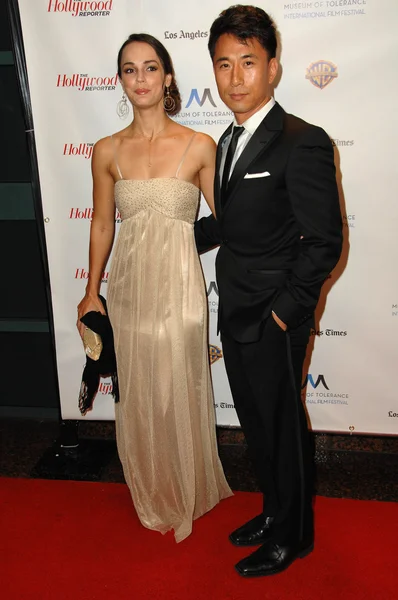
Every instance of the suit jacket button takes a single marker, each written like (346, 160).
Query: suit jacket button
(225, 242)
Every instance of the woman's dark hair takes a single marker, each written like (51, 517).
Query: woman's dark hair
(164, 58)
(245, 22)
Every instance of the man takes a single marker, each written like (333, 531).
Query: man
(279, 226)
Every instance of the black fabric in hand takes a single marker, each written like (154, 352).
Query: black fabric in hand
(105, 366)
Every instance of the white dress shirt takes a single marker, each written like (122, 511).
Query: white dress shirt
(250, 126)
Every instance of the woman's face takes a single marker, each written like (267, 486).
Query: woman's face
(143, 78)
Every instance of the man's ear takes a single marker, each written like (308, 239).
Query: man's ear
(273, 67)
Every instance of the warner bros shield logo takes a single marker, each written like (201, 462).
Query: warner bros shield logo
(321, 73)
(215, 353)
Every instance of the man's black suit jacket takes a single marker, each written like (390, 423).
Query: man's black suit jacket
(280, 234)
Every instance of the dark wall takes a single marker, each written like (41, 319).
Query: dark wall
(29, 385)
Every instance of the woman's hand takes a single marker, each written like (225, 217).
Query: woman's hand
(88, 303)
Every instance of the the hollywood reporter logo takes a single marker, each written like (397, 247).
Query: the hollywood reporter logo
(87, 214)
(105, 388)
(83, 150)
(83, 274)
(81, 213)
(81, 9)
(84, 83)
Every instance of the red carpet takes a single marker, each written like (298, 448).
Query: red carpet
(76, 540)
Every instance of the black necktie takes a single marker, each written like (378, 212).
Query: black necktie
(237, 131)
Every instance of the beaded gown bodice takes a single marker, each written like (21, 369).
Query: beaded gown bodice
(170, 196)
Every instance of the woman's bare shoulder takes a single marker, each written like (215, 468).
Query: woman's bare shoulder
(106, 144)
(205, 140)
(200, 138)
(103, 147)
(204, 148)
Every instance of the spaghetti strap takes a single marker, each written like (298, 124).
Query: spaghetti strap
(115, 157)
(184, 155)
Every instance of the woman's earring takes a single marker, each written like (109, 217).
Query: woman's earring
(122, 108)
(168, 101)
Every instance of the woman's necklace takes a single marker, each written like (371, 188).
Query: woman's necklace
(150, 139)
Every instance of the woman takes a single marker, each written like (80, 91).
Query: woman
(155, 169)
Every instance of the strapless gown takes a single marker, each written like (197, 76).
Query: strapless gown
(165, 421)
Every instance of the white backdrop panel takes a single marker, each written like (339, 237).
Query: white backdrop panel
(71, 50)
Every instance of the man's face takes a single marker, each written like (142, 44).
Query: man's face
(244, 75)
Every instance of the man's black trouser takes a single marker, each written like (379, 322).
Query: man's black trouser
(265, 379)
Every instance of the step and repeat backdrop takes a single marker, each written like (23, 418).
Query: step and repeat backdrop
(337, 71)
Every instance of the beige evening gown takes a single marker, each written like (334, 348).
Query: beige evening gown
(165, 422)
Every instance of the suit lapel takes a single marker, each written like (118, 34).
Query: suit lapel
(217, 183)
(268, 130)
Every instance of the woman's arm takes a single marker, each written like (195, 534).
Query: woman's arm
(207, 149)
(102, 229)
(207, 234)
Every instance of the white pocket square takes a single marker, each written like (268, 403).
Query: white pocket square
(257, 175)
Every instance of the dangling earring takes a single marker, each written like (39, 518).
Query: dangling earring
(168, 101)
(122, 108)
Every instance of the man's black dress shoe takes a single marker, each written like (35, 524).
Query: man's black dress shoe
(253, 533)
(272, 558)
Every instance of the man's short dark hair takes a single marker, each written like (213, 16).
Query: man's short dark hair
(245, 22)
